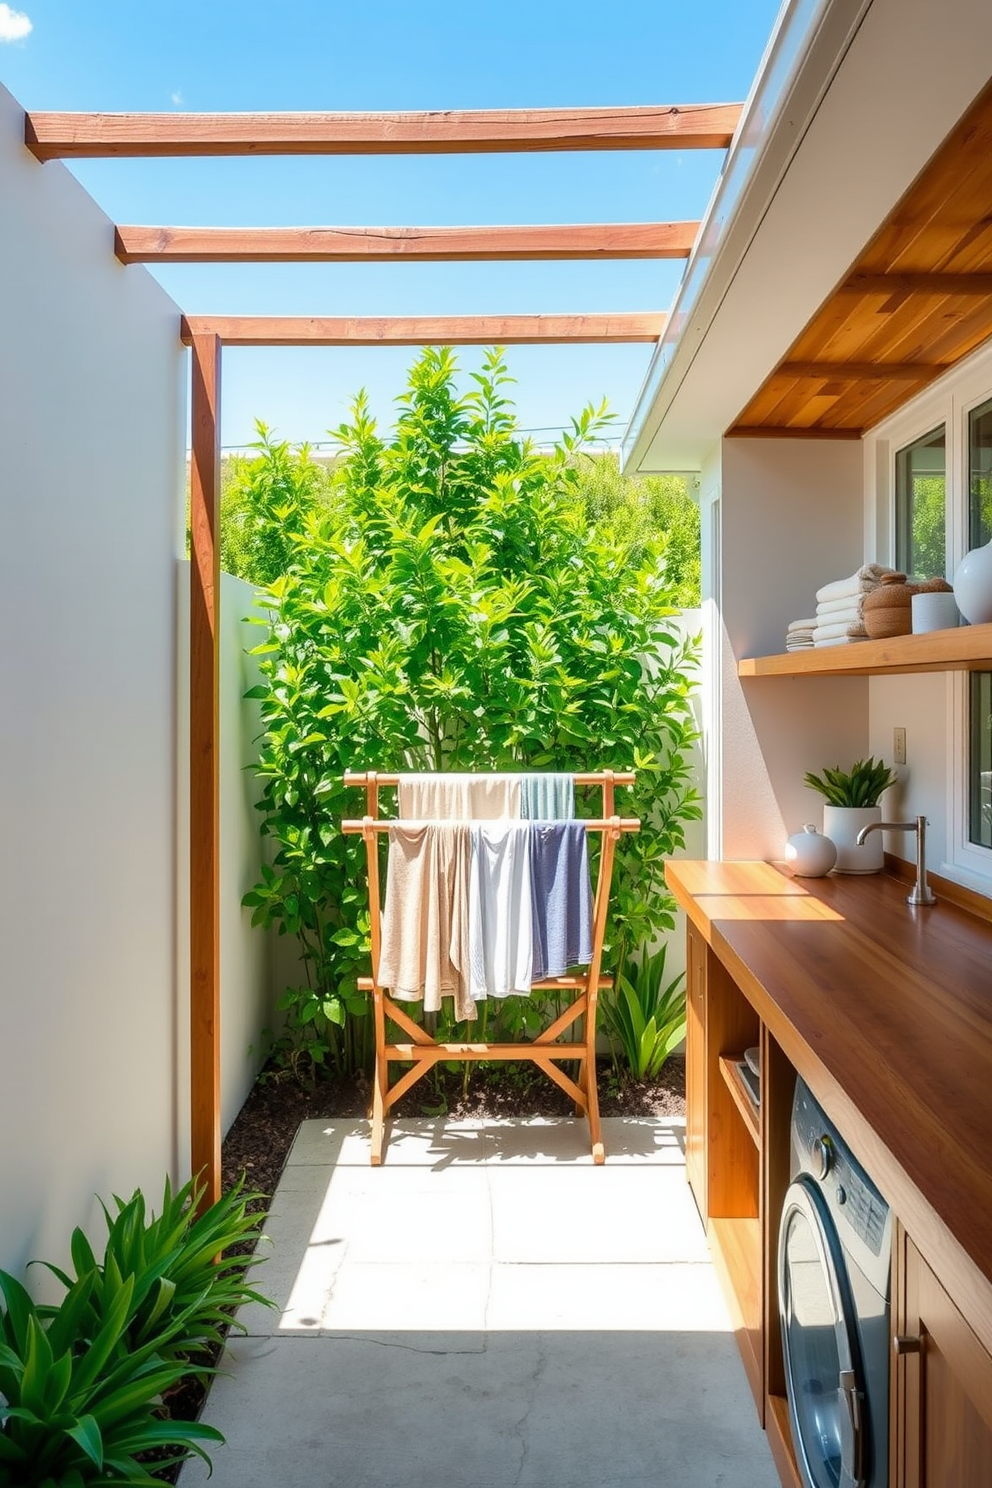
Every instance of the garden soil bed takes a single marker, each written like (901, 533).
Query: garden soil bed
(260, 1139)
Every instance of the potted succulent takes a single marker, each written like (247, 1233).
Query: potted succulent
(852, 802)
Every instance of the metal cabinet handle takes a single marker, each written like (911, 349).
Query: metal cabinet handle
(906, 1343)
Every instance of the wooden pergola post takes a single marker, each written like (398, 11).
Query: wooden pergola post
(204, 768)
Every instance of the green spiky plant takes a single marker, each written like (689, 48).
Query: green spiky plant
(81, 1383)
(862, 785)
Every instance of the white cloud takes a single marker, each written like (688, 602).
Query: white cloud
(14, 24)
(177, 98)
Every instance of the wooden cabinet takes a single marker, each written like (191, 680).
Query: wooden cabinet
(942, 1385)
(887, 1019)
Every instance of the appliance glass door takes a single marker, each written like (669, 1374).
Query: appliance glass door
(824, 1377)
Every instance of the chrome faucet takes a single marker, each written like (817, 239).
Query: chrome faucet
(921, 892)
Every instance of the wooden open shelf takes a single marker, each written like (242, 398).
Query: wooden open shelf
(730, 1070)
(967, 648)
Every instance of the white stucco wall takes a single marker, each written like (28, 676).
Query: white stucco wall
(91, 473)
(781, 517)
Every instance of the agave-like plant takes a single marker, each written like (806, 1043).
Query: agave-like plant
(81, 1383)
(645, 1015)
(862, 785)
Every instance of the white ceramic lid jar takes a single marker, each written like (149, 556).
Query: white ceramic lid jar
(809, 854)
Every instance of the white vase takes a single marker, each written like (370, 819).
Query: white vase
(809, 854)
(973, 585)
(842, 825)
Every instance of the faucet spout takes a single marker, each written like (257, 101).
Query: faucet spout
(921, 892)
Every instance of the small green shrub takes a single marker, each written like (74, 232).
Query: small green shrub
(81, 1382)
(646, 1017)
(862, 785)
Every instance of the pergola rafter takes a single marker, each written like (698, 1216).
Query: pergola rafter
(695, 126)
(411, 244)
(423, 330)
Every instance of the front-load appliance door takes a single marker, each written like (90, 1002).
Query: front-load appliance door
(823, 1369)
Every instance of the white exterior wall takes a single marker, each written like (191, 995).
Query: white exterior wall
(781, 517)
(91, 479)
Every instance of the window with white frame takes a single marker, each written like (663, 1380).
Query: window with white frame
(980, 683)
(929, 472)
(921, 505)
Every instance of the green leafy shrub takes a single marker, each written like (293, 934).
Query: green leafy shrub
(862, 785)
(264, 501)
(456, 610)
(647, 1018)
(81, 1382)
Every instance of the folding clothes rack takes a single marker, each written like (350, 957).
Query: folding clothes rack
(423, 1051)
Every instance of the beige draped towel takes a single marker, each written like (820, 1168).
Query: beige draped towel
(455, 797)
(425, 933)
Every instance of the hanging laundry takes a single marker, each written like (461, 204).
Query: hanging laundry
(425, 942)
(547, 797)
(499, 910)
(457, 797)
(562, 897)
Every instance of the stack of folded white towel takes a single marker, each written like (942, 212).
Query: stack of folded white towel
(800, 635)
(839, 618)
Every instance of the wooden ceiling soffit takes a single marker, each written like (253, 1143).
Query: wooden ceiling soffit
(478, 131)
(426, 330)
(916, 300)
(413, 244)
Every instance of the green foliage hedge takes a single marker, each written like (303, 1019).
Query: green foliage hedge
(453, 608)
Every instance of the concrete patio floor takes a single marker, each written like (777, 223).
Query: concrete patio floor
(486, 1310)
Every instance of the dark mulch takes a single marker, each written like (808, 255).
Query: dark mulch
(259, 1141)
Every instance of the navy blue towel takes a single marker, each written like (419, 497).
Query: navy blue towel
(562, 897)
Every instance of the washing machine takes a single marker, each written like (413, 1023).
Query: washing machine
(834, 1264)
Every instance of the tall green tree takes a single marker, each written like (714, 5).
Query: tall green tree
(265, 499)
(641, 510)
(456, 609)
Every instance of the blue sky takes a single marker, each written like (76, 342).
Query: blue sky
(216, 55)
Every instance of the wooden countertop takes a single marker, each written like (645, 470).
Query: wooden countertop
(886, 1011)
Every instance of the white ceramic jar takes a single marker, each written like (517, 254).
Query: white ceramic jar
(973, 585)
(934, 610)
(809, 854)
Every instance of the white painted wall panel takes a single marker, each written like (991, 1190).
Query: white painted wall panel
(789, 520)
(91, 473)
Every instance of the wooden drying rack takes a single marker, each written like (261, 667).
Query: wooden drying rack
(423, 1051)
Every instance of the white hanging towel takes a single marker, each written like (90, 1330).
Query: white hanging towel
(499, 910)
(457, 797)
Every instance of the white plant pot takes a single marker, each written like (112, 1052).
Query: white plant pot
(842, 825)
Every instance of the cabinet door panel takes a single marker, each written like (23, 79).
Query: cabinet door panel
(946, 1389)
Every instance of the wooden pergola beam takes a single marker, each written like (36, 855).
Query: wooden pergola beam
(412, 244)
(439, 132)
(423, 330)
(204, 769)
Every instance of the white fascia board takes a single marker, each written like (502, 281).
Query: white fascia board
(854, 135)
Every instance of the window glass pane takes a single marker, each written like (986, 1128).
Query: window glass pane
(920, 504)
(980, 475)
(980, 760)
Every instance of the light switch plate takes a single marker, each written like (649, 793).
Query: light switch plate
(899, 746)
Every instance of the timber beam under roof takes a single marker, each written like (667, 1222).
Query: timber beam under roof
(422, 330)
(50, 136)
(411, 244)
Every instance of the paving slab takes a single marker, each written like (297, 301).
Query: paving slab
(488, 1309)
